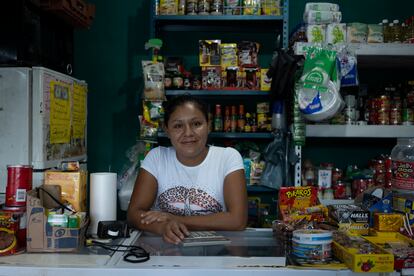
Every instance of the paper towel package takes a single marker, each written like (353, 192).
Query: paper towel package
(42, 237)
(102, 201)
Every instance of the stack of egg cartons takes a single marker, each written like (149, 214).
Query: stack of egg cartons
(324, 23)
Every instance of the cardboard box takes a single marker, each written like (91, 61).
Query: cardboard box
(350, 218)
(42, 237)
(73, 186)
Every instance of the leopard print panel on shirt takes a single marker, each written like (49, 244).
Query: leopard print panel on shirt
(182, 201)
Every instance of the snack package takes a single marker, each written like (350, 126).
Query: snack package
(375, 34)
(153, 73)
(233, 7)
(211, 77)
(247, 53)
(316, 33)
(168, 7)
(209, 52)
(357, 32)
(271, 7)
(251, 7)
(228, 55)
(336, 33)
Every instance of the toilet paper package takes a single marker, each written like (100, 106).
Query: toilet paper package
(322, 17)
(321, 6)
(336, 33)
(316, 33)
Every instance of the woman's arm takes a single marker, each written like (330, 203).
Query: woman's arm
(235, 198)
(142, 198)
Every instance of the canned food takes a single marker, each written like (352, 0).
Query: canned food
(19, 181)
(358, 187)
(383, 117)
(339, 190)
(383, 102)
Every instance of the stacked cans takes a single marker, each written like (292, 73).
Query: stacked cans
(13, 212)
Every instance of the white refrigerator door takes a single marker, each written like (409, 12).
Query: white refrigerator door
(15, 119)
(49, 151)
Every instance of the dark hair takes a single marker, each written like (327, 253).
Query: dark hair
(171, 105)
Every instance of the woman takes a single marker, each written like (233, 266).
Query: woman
(189, 186)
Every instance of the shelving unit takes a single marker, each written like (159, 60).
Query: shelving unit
(216, 93)
(233, 135)
(359, 131)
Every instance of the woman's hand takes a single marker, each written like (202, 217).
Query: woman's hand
(155, 216)
(174, 232)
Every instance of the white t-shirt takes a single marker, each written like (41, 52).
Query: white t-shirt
(189, 191)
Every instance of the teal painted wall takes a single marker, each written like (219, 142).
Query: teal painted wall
(108, 57)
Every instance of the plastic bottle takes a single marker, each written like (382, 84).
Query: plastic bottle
(278, 116)
(396, 31)
(218, 120)
(385, 30)
(402, 158)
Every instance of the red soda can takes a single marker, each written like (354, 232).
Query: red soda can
(19, 181)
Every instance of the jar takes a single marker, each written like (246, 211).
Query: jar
(402, 157)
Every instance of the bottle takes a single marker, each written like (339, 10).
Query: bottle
(254, 122)
(248, 125)
(227, 119)
(402, 159)
(396, 31)
(278, 118)
(241, 120)
(385, 30)
(218, 120)
(233, 119)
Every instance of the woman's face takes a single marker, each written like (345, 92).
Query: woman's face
(188, 130)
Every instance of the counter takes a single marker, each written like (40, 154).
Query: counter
(250, 258)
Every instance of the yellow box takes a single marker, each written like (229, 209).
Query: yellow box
(265, 82)
(386, 222)
(73, 186)
(228, 55)
(381, 261)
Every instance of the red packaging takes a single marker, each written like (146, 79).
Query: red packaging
(339, 190)
(8, 233)
(18, 215)
(358, 187)
(19, 181)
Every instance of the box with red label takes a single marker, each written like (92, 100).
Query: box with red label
(300, 202)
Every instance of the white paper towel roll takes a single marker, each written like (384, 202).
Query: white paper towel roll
(102, 203)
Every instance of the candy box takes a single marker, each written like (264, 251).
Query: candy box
(296, 203)
(385, 222)
(350, 218)
(398, 245)
(361, 255)
(211, 77)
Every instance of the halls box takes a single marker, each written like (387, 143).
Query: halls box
(42, 237)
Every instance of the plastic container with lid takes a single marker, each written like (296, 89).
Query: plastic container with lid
(402, 157)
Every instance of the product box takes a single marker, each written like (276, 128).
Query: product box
(265, 82)
(350, 218)
(296, 203)
(397, 244)
(211, 77)
(209, 52)
(42, 237)
(73, 186)
(361, 255)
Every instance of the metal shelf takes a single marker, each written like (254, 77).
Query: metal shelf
(365, 49)
(217, 92)
(233, 135)
(327, 202)
(356, 131)
(218, 17)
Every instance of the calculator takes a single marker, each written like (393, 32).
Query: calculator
(204, 238)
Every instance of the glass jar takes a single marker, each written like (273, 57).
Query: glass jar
(402, 157)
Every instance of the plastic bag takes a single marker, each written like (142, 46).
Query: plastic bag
(273, 174)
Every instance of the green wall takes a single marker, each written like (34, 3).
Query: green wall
(108, 57)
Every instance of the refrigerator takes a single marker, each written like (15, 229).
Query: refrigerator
(42, 120)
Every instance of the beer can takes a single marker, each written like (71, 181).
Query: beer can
(19, 181)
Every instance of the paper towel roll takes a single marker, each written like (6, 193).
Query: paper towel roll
(102, 203)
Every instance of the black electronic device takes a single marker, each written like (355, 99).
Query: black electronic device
(112, 229)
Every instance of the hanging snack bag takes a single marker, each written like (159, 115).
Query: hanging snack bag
(153, 80)
(228, 55)
(348, 63)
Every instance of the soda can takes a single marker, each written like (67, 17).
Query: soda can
(19, 181)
